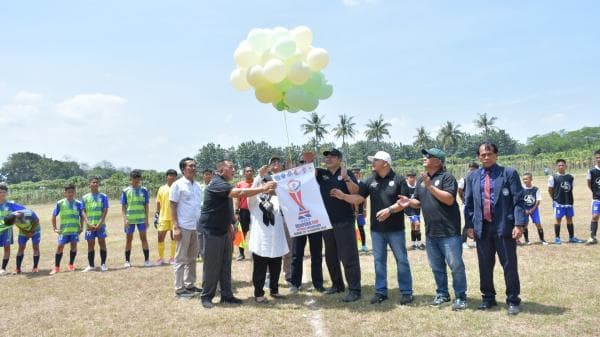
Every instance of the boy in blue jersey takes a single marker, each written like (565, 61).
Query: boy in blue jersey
(532, 197)
(134, 202)
(29, 228)
(414, 214)
(70, 213)
(6, 232)
(560, 188)
(95, 206)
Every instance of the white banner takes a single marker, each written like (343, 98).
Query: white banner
(300, 200)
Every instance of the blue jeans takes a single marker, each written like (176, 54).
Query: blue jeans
(380, 241)
(442, 251)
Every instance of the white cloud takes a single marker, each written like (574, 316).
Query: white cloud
(25, 97)
(23, 108)
(352, 3)
(83, 106)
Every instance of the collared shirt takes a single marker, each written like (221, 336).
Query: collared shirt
(441, 220)
(217, 209)
(338, 210)
(384, 193)
(187, 195)
(494, 172)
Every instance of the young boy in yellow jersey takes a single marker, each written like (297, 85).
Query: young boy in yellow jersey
(134, 202)
(163, 209)
(95, 206)
(70, 212)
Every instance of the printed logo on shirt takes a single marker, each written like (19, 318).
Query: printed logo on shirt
(437, 183)
(505, 191)
(565, 186)
(529, 200)
(598, 181)
(325, 177)
(391, 183)
(339, 178)
(374, 184)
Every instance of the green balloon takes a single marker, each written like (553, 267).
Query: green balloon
(285, 48)
(310, 102)
(284, 85)
(280, 106)
(294, 97)
(325, 91)
(313, 85)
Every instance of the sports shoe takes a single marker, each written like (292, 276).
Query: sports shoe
(147, 264)
(439, 300)
(557, 241)
(17, 271)
(544, 243)
(88, 269)
(194, 289)
(71, 267)
(240, 258)
(575, 240)
(206, 303)
(159, 262)
(3, 272)
(55, 270)
(591, 241)
(420, 246)
(365, 248)
(378, 298)
(35, 270)
(294, 290)
(261, 299)
(103, 267)
(127, 264)
(412, 247)
(351, 296)
(459, 304)
(184, 294)
(171, 261)
(231, 300)
(405, 299)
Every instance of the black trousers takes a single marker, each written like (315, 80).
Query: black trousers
(216, 266)
(340, 244)
(259, 272)
(315, 241)
(488, 245)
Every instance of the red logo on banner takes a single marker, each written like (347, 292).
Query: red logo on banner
(295, 192)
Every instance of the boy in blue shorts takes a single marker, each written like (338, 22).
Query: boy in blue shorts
(560, 188)
(70, 212)
(532, 197)
(95, 207)
(593, 181)
(29, 228)
(6, 232)
(414, 214)
(134, 201)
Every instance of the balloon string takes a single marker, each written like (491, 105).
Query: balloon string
(287, 134)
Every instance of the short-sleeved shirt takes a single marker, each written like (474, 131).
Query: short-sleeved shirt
(337, 210)
(103, 200)
(593, 176)
(384, 193)
(5, 209)
(74, 204)
(441, 220)
(25, 225)
(140, 190)
(217, 209)
(243, 200)
(162, 197)
(409, 191)
(188, 196)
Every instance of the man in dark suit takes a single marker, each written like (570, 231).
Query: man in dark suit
(494, 204)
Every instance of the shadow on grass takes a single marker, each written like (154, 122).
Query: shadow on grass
(534, 308)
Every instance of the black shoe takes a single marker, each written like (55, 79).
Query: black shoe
(184, 294)
(351, 296)
(240, 258)
(278, 296)
(405, 299)
(487, 304)
(231, 300)
(194, 289)
(207, 303)
(513, 309)
(320, 289)
(378, 298)
(333, 290)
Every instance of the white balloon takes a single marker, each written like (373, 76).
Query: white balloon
(256, 76)
(259, 40)
(279, 33)
(303, 36)
(275, 71)
(298, 73)
(244, 56)
(238, 79)
(317, 59)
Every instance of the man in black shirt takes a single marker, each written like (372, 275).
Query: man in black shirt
(593, 181)
(340, 241)
(560, 188)
(436, 195)
(387, 225)
(218, 231)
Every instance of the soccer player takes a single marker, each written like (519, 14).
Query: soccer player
(165, 223)
(95, 206)
(414, 214)
(560, 188)
(134, 207)
(6, 232)
(240, 204)
(593, 181)
(70, 212)
(359, 211)
(29, 228)
(461, 193)
(532, 197)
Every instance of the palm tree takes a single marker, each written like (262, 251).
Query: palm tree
(314, 124)
(377, 129)
(422, 139)
(486, 123)
(449, 135)
(345, 128)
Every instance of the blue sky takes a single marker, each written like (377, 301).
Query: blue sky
(144, 83)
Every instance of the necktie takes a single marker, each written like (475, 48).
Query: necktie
(487, 201)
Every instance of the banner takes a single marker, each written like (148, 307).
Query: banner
(300, 201)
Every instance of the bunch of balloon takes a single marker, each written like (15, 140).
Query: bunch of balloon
(283, 68)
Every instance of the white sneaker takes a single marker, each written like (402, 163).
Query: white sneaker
(103, 267)
(88, 269)
(3, 272)
(465, 245)
(147, 264)
(127, 264)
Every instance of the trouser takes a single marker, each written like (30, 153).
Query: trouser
(185, 259)
(287, 258)
(443, 253)
(259, 272)
(216, 266)
(340, 244)
(315, 241)
(396, 241)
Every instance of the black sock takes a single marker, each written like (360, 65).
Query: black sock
(526, 234)
(72, 255)
(413, 235)
(19, 261)
(4, 263)
(57, 258)
(91, 258)
(102, 256)
(594, 228)
(571, 230)
(541, 234)
(146, 254)
(127, 255)
(418, 235)
(36, 261)
(557, 230)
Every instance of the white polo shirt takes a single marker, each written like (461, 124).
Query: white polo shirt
(188, 196)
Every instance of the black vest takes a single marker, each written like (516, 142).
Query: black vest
(529, 196)
(595, 176)
(563, 189)
(409, 210)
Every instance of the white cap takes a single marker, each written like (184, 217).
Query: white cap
(381, 155)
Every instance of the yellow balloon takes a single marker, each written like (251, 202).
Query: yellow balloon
(298, 73)
(256, 76)
(244, 56)
(317, 59)
(303, 36)
(268, 94)
(238, 79)
(275, 71)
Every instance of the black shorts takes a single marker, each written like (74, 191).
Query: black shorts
(245, 219)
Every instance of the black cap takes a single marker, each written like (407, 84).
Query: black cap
(274, 158)
(411, 174)
(171, 172)
(355, 168)
(135, 174)
(333, 152)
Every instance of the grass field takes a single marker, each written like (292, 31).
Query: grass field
(560, 292)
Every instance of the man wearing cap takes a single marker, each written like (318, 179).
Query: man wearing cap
(435, 193)
(387, 225)
(340, 241)
(496, 215)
